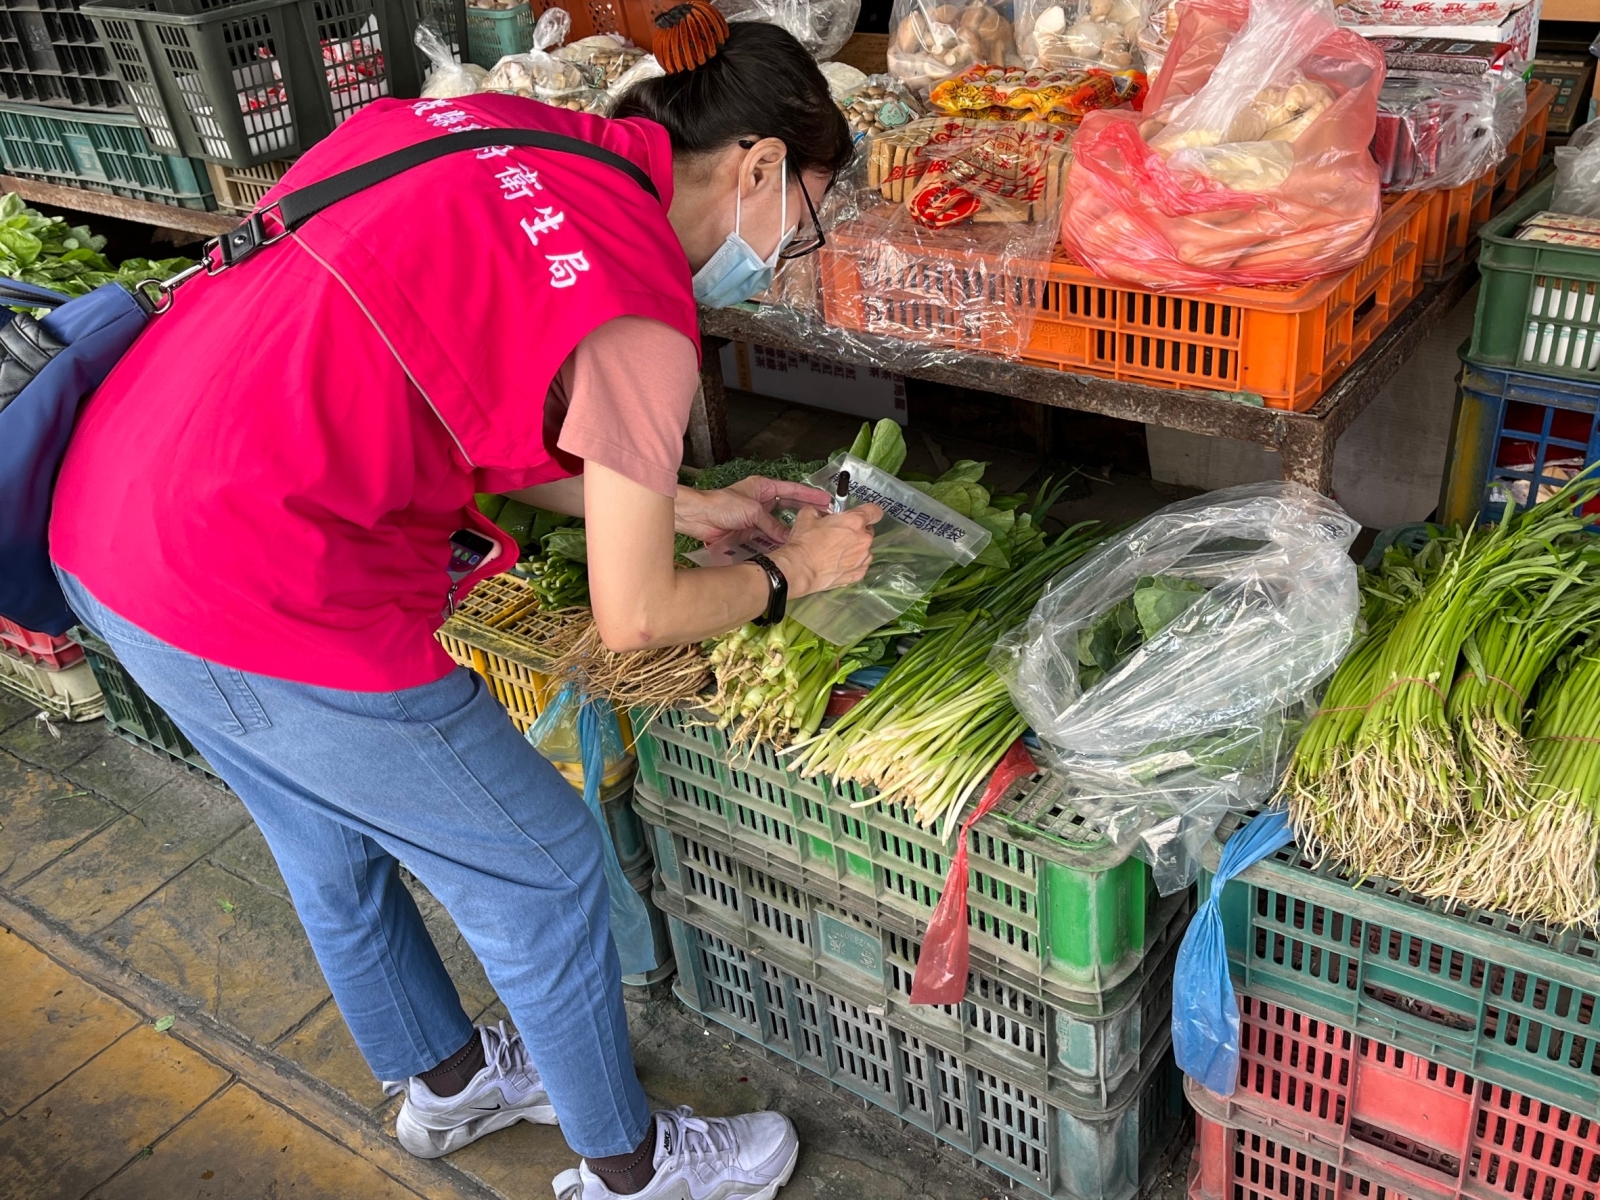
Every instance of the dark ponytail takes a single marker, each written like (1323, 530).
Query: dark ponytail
(758, 82)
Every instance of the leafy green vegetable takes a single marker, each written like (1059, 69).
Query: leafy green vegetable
(48, 252)
(570, 544)
(516, 518)
(490, 504)
(887, 449)
(1161, 599)
(862, 446)
(726, 474)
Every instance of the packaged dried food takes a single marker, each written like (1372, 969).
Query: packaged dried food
(1444, 133)
(929, 42)
(1062, 96)
(1252, 165)
(1068, 33)
(448, 79)
(538, 74)
(606, 55)
(878, 104)
(953, 171)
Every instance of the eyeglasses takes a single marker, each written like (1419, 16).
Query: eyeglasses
(810, 245)
(800, 248)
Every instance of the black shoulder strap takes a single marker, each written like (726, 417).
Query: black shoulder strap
(299, 206)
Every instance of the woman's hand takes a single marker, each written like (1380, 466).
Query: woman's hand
(746, 505)
(825, 551)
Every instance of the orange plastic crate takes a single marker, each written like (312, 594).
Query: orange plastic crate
(1455, 214)
(1286, 344)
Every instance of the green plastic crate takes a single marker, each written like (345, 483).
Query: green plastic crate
(99, 152)
(1078, 1050)
(1538, 304)
(133, 715)
(1507, 1001)
(1067, 912)
(493, 33)
(1058, 1150)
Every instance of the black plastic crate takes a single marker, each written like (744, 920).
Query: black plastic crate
(133, 715)
(51, 54)
(247, 83)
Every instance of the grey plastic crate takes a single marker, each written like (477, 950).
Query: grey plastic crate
(1059, 1151)
(1081, 1053)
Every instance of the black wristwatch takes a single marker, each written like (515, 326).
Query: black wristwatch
(777, 591)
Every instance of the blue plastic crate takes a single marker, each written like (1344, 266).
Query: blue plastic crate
(1517, 437)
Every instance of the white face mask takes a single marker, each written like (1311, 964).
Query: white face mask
(736, 272)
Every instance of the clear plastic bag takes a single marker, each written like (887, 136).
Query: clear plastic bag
(1578, 174)
(448, 79)
(1203, 633)
(589, 727)
(606, 57)
(878, 104)
(929, 42)
(1157, 27)
(821, 26)
(1252, 165)
(1069, 33)
(1438, 134)
(539, 74)
(916, 542)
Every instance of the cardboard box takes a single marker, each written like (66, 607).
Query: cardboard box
(1478, 22)
(866, 392)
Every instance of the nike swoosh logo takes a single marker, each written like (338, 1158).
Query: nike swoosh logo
(488, 1109)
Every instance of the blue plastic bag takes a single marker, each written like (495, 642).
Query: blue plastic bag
(1205, 1012)
(597, 730)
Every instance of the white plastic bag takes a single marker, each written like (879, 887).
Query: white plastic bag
(821, 26)
(449, 78)
(1217, 617)
(1064, 33)
(1578, 174)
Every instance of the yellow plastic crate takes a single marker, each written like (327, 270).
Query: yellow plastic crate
(482, 636)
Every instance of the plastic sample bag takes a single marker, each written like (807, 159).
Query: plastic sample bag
(1578, 174)
(448, 79)
(929, 42)
(821, 26)
(1205, 1011)
(1252, 163)
(590, 727)
(915, 543)
(1167, 673)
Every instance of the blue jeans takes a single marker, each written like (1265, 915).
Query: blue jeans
(346, 787)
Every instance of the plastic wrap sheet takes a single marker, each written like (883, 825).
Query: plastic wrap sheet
(1231, 609)
(1578, 173)
(1443, 133)
(1252, 165)
(821, 26)
(1070, 33)
(929, 42)
(447, 79)
(1158, 25)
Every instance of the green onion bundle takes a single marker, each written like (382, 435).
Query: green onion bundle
(931, 732)
(1564, 823)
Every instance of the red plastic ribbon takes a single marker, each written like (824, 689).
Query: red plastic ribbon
(941, 976)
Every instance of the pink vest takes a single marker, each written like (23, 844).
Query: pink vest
(270, 477)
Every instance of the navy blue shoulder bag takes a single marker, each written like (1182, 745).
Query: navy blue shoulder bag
(48, 367)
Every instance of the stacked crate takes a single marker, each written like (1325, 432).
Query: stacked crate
(47, 671)
(1392, 1046)
(1528, 413)
(798, 910)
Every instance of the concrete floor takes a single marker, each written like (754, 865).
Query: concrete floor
(132, 892)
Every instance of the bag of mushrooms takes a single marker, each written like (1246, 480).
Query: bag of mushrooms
(1250, 163)
(932, 41)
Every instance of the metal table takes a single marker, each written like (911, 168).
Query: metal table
(1304, 441)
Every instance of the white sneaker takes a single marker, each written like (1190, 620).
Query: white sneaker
(506, 1091)
(705, 1158)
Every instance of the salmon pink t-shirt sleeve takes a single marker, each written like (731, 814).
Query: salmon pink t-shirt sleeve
(627, 390)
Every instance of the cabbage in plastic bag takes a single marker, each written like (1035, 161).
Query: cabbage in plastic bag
(1202, 634)
(1578, 174)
